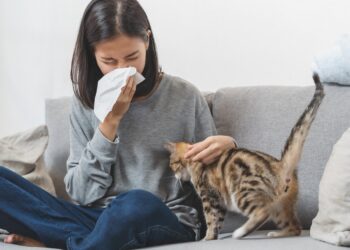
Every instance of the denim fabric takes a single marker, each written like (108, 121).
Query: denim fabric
(133, 219)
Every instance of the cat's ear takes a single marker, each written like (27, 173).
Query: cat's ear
(170, 146)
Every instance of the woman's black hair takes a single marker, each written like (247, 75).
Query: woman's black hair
(106, 19)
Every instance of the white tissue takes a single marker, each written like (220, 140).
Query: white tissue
(109, 89)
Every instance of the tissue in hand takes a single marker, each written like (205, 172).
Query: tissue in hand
(109, 89)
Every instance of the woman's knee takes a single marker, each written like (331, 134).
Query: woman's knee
(9, 174)
(138, 198)
(143, 205)
(4, 172)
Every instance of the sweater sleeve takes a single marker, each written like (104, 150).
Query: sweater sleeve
(90, 160)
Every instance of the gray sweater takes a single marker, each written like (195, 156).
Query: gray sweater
(99, 169)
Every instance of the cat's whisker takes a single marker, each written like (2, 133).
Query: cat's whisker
(169, 177)
(180, 183)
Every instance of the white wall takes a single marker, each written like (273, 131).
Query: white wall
(210, 43)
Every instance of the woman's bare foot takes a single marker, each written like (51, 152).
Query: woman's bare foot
(23, 241)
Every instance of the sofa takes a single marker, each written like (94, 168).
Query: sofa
(259, 118)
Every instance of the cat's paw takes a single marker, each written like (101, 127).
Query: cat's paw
(272, 234)
(207, 238)
(239, 233)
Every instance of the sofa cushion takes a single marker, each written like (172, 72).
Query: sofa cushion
(257, 240)
(332, 223)
(57, 120)
(4, 246)
(261, 118)
(333, 64)
(23, 153)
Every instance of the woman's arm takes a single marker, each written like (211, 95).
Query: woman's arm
(90, 159)
(89, 164)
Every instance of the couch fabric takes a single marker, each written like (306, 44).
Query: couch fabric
(57, 120)
(259, 118)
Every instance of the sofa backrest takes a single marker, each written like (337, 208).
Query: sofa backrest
(259, 118)
(55, 157)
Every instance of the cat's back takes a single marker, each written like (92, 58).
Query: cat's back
(250, 170)
(255, 161)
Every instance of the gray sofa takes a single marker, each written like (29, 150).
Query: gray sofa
(260, 118)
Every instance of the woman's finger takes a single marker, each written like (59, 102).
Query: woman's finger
(203, 154)
(129, 85)
(124, 88)
(211, 158)
(133, 88)
(196, 148)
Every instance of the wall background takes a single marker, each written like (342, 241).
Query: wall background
(210, 43)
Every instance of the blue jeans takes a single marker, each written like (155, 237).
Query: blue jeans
(132, 220)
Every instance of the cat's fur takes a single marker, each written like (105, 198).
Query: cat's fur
(252, 183)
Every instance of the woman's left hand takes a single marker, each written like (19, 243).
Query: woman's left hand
(208, 150)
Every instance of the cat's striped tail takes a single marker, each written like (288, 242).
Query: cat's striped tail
(294, 145)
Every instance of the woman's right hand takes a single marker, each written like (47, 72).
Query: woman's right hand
(110, 124)
(122, 104)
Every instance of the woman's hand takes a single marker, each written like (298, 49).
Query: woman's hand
(122, 104)
(209, 150)
(111, 123)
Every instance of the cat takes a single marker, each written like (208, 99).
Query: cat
(252, 183)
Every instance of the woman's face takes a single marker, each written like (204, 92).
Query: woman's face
(121, 52)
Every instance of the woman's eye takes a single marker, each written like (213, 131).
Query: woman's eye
(109, 62)
(132, 59)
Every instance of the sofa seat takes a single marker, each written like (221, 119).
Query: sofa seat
(257, 240)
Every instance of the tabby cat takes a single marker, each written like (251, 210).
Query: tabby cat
(251, 183)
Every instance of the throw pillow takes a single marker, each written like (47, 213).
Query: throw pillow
(332, 223)
(23, 154)
(333, 65)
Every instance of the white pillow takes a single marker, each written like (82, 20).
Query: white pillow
(23, 154)
(333, 65)
(332, 223)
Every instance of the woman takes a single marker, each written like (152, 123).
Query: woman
(118, 171)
